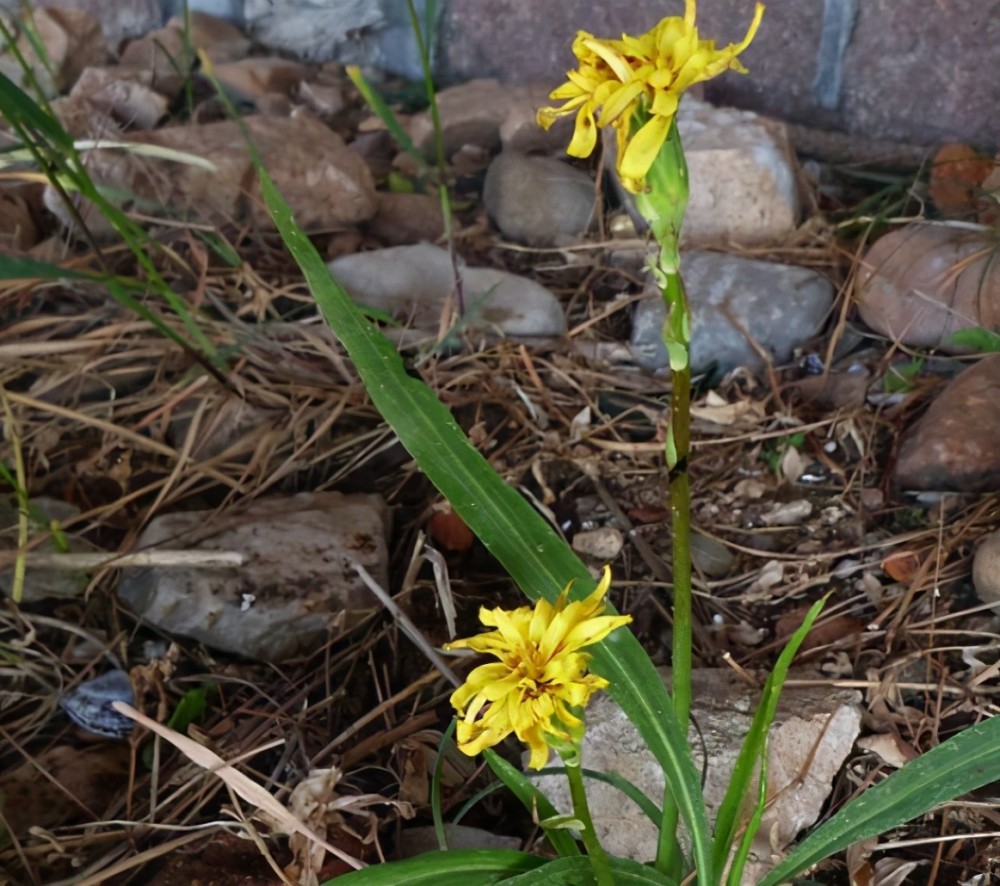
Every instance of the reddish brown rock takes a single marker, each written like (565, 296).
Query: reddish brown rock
(407, 218)
(254, 77)
(953, 447)
(327, 185)
(18, 232)
(163, 57)
(920, 284)
(220, 40)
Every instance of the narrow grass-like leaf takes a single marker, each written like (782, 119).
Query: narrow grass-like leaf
(534, 801)
(961, 764)
(435, 798)
(648, 807)
(53, 149)
(754, 750)
(385, 114)
(578, 872)
(537, 559)
(468, 867)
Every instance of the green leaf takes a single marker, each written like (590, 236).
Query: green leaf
(579, 872)
(648, 807)
(983, 341)
(385, 114)
(533, 799)
(538, 560)
(754, 751)
(960, 764)
(461, 867)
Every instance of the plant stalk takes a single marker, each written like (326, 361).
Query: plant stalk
(595, 852)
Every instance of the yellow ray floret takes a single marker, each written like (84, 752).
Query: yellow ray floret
(616, 78)
(540, 677)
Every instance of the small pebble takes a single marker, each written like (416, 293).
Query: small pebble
(602, 544)
(89, 704)
(710, 557)
(789, 513)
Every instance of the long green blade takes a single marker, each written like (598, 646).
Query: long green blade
(727, 820)
(578, 872)
(534, 555)
(468, 867)
(533, 800)
(961, 764)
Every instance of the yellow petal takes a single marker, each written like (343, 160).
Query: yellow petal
(621, 101)
(613, 58)
(584, 134)
(643, 148)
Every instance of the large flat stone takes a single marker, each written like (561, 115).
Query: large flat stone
(414, 282)
(813, 733)
(296, 589)
(327, 185)
(739, 307)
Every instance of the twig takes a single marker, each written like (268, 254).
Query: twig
(161, 559)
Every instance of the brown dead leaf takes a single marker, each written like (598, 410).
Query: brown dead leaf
(890, 747)
(957, 175)
(901, 565)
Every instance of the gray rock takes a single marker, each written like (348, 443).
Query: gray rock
(413, 282)
(296, 588)
(602, 544)
(41, 583)
(953, 446)
(539, 201)
(415, 841)
(813, 733)
(734, 299)
(711, 557)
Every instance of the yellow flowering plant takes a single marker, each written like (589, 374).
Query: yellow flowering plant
(634, 85)
(541, 680)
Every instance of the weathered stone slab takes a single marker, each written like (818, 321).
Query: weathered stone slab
(296, 588)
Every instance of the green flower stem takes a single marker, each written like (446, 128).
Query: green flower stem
(595, 852)
(677, 338)
(662, 204)
(678, 447)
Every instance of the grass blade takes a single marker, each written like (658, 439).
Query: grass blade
(960, 764)
(755, 749)
(470, 867)
(534, 801)
(727, 820)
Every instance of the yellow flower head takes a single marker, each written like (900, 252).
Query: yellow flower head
(541, 675)
(649, 74)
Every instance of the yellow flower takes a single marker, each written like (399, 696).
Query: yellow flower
(648, 74)
(541, 675)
